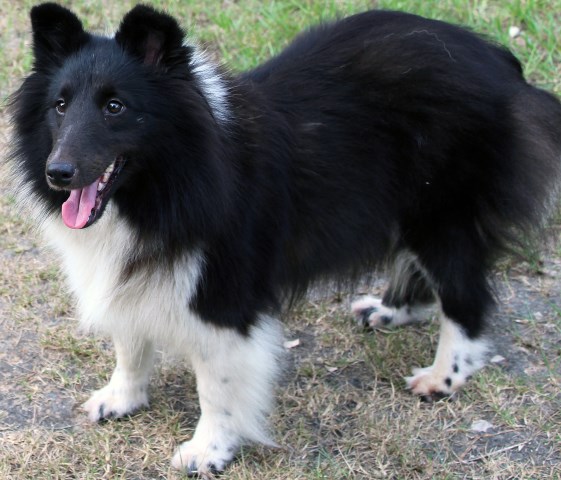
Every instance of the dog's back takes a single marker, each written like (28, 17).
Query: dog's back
(395, 127)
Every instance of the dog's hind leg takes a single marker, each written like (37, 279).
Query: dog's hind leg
(127, 391)
(457, 357)
(405, 300)
(235, 379)
(457, 268)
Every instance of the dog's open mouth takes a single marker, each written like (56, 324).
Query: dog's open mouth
(84, 204)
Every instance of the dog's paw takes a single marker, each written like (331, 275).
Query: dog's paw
(114, 401)
(457, 359)
(370, 312)
(431, 386)
(203, 460)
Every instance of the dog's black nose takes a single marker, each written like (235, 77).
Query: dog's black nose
(60, 174)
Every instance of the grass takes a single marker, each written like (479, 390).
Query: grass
(343, 411)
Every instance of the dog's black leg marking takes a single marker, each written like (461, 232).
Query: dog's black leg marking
(365, 315)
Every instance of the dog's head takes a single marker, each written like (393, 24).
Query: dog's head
(102, 100)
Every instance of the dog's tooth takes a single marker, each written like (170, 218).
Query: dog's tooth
(100, 186)
(110, 168)
(105, 177)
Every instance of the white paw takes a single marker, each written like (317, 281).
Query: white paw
(115, 401)
(203, 459)
(457, 359)
(425, 383)
(370, 312)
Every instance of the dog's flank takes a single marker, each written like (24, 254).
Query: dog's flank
(187, 205)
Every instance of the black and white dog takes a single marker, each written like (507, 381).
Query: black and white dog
(188, 205)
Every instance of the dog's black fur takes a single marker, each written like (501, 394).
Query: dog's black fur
(379, 132)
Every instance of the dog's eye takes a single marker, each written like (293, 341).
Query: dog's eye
(114, 107)
(60, 106)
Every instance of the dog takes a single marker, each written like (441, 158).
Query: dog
(188, 205)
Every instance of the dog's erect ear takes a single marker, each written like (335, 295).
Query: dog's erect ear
(57, 33)
(153, 37)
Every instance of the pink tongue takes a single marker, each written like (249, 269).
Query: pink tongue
(77, 209)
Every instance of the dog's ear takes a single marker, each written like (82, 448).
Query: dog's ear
(57, 33)
(153, 37)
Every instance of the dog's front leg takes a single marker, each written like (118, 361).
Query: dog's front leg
(127, 391)
(235, 380)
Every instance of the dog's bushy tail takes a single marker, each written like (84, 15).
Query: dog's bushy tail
(536, 172)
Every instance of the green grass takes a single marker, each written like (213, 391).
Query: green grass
(247, 32)
(343, 412)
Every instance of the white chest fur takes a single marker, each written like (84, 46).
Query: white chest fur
(152, 305)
